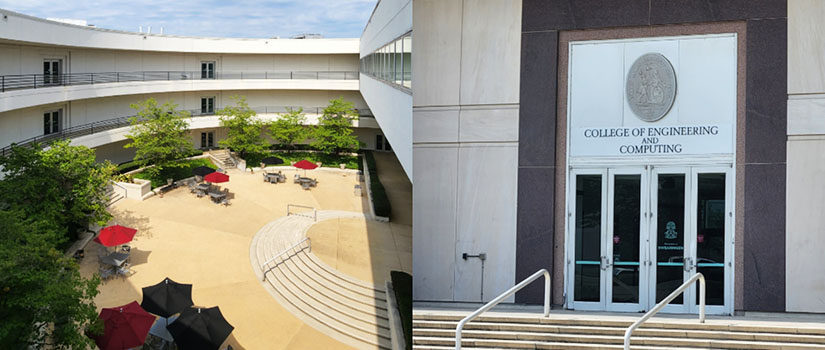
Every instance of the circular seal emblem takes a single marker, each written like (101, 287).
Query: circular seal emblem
(651, 87)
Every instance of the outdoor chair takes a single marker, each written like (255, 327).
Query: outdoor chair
(192, 188)
(105, 273)
(126, 248)
(225, 202)
(305, 186)
(124, 270)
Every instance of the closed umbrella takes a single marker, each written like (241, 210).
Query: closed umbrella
(111, 236)
(167, 298)
(124, 327)
(200, 328)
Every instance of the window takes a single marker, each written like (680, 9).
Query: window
(208, 70)
(379, 142)
(398, 62)
(51, 122)
(207, 139)
(207, 105)
(392, 63)
(51, 71)
(407, 61)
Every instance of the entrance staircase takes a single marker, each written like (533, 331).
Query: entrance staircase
(351, 311)
(223, 158)
(570, 330)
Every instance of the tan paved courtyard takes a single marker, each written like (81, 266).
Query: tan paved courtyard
(192, 240)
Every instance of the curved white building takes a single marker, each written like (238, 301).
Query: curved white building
(61, 80)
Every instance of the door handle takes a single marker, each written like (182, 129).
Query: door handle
(605, 263)
(689, 266)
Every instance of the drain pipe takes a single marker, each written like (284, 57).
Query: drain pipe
(482, 257)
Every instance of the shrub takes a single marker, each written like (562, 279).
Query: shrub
(177, 173)
(379, 195)
(402, 285)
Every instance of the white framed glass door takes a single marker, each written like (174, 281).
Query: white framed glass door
(637, 233)
(626, 239)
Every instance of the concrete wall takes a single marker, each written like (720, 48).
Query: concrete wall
(465, 146)
(28, 59)
(391, 106)
(20, 124)
(805, 267)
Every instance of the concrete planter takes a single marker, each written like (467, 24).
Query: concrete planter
(139, 190)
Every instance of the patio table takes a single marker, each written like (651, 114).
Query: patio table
(115, 259)
(217, 196)
(203, 187)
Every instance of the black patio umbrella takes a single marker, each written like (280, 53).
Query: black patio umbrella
(167, 298)
(202, 171)
(200, 328)
(272, 161)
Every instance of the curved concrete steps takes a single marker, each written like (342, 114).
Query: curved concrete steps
(435, 331)
(349, 310)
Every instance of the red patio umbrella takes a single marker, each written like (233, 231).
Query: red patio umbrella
(111, 236)
(125, 327)
(306, 165)
(216, 177)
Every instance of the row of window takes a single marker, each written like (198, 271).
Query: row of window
(392, 63)
(52, 70)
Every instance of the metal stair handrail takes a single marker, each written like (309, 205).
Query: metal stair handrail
(501, 297)
(118, 122)
(314, 211)
(263, 266)
(698, 276)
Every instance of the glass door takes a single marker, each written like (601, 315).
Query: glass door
(670, 247)
(626, 240)
(588, 221)
(713, 222)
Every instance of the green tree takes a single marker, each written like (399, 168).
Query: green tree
(47, 195)
(160, 135)
(244, 130)
(62, 183)
(289, 128)
(334, 131)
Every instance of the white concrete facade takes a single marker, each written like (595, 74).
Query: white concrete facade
(271, 73)
(465, 147)
(805, 224)
(391, 106)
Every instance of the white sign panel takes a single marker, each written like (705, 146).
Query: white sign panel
(653, 97)
(653, 140)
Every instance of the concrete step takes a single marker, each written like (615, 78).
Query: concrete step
(338, 322)
(424, 344)
(428, 328)
(340, 279)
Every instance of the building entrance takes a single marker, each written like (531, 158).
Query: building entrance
(635, 234)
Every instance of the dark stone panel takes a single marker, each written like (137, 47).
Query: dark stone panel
(537, 108)
(538, 15)
(534, 233)
(764, 237)
(767, 86)
(689, 11)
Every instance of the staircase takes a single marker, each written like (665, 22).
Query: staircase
(223, 158)
(351, 311)
(112, 195)
(436, 330)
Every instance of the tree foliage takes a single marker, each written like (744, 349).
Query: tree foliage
(244, 130)
(63, 184)
(160, 134)
(289, 128)
(47, 195)
(334, 131)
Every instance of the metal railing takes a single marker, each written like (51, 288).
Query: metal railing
(119, 122)
(37, 81)
(314, 216)
(500, 298)
(287, 250)
(667, 300)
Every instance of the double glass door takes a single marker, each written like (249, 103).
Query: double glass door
(636, 234)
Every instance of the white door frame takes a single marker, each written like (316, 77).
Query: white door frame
(571, 253)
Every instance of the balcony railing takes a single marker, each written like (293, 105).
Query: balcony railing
(119, 122)
(37, 81)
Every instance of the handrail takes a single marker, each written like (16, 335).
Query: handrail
(314, 211)
(117, 122)
(42, 80)
(263, 266)
(503, 296)
(667, 300)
